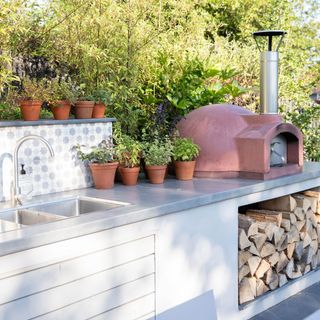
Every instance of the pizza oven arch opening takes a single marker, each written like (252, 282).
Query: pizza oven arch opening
(284, 149)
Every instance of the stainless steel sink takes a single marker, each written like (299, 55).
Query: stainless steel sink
(12, 219)
(28, 217)
(76, 206)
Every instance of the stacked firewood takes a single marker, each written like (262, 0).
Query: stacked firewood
(278, 241)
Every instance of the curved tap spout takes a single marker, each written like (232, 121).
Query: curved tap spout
(15, 188)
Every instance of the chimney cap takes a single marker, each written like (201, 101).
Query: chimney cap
(266, 33)
(269, 34)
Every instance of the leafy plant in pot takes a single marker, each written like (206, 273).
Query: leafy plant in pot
(128, 151)
(157, 154)
(61, 97)
(101, 98)
(33, 94)
(84, 104)
(102, 162)
(185, 151)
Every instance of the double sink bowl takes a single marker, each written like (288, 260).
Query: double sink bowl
(32, 214)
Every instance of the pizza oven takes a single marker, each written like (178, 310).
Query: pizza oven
(235, 142)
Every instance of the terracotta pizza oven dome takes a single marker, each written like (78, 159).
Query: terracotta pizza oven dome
(235, 142)
(214, 128)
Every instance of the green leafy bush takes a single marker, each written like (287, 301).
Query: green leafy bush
(308, 120)
(184, 149)
(175, 93)
(198, 84)
(9, 111)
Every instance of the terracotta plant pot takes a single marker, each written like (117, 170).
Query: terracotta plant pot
(129, 176)
(30, 109)
(84, 109)
(184, 169)
(61, 110)
(103, 174)
(98, 110)
(156, 174)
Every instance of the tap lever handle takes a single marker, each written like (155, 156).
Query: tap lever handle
(22, 171)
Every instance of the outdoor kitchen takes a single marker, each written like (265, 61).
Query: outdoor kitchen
(238, 237)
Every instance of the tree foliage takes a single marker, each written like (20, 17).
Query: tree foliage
(159, 59)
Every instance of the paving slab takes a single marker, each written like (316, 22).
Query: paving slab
(305, 305)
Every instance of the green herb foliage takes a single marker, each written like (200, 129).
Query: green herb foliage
(104, 152)
(33, 89)
(128, 150)
(60, 90)
(184, 149)
(157, 152)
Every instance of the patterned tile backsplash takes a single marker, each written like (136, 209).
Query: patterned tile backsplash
(60, 173)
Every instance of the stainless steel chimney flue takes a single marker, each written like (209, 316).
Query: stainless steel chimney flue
(269, 61)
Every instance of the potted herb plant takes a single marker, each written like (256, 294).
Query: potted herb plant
(61, 97)
(84, 104)
(128, 151)
(101, 99)
(33, 94)
(185, 151)
(102, 162)
(157, 154)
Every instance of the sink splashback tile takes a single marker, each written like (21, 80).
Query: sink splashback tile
(61, 173)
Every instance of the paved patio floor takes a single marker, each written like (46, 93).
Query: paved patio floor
(303, 305)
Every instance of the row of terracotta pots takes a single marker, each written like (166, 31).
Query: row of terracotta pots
(104, 174)
(183, 170)
(30, 110)
(89, 109)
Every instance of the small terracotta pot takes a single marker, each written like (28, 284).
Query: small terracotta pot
(30, 109)
(84, 109)
(103, 174)
(98, 110)
(184, 169)
(156, 174)
(61, 110)
(129, 176)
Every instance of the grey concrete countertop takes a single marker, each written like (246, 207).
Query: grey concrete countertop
(46, 122)
(144, 201)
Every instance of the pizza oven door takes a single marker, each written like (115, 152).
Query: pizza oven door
(278, 151)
